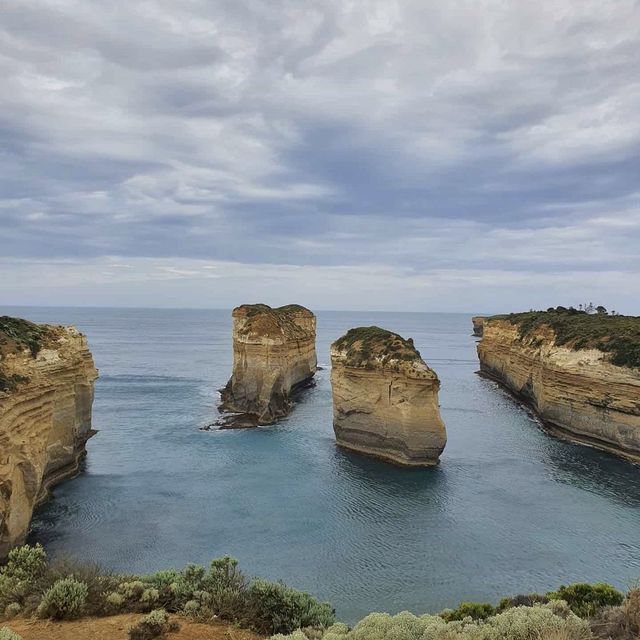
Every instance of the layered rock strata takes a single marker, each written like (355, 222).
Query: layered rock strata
(46, 393)
(274, 356)
(578, 394)
(478, 325)
(385, 398)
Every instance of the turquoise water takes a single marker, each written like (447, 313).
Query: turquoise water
(508, 510)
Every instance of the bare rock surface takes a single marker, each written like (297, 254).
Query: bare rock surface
(385, 398)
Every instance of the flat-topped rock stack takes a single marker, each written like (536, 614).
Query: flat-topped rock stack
(46, 393)
(385, 398)
(274, 355)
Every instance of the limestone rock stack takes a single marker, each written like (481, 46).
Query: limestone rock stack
(385, 398)
(46, 393)
(579, 394)
(274, 355)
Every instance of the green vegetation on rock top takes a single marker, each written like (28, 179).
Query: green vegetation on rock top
(364, 344)
(17, 334)
(616, 335)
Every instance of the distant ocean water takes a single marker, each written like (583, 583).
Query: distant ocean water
(508, 510)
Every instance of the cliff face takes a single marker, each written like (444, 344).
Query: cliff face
(579, 394)
(478, 325)
(46, 392)
(274, 354)
(385, 398)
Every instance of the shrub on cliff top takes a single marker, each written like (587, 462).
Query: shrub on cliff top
(65, 600)
(154, 625)
(586, 599)
(553, 620)
(7, 634)
(473, 610)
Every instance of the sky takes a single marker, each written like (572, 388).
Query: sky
(419, 155)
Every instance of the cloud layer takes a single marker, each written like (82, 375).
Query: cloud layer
(380, 154)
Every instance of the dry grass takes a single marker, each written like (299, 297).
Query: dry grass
(116, 627)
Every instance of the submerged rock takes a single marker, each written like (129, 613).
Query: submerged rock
(274, 356)
(385, 398)
(478, 325)
(46, 394)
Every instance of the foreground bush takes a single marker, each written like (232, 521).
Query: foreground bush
(7, 634)
(154, 625)
(473, 610)
(65, 600)
(550, 621)
(64, 590)
(586, 599)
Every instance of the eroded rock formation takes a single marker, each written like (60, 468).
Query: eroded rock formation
(385, 398)
(578, 394)
(478, 325)
(274, 355)
(46, 392)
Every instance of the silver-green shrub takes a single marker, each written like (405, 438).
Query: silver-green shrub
(7, 634)
(518, 623)
(12, 610)
(65, 600)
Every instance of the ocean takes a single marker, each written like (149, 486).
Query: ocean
(508, 510)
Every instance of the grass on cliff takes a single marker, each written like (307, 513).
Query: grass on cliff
(17, 335)
(618, 336)
(362, 344)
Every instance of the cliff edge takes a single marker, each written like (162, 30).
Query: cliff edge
(46, 393)
(274, 355)
(580, 373)
(385, 398)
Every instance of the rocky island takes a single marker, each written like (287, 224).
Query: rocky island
(46, 393)
(580, 373)
(274, 356)
(385, 398)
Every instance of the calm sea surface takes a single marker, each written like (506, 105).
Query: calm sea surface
(508, 510)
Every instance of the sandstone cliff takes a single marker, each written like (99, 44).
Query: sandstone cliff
(385, 398)
(579, 394)
(46, 393)
(274, 355)
(478, 325)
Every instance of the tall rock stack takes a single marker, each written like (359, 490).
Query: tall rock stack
(274, 355)
(46, 393)
(385, 398)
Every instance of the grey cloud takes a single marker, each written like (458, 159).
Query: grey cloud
(436, 136)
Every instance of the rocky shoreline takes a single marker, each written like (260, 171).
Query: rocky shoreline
(577, 394)
(45, 417)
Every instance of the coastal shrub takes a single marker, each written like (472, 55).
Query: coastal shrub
(619, 622)
(65, 600)
(521, 600)
(276, 608)
(154, 625)
(550, 621)
(586, 599)
(7, 634)
(12, 610)
(473, 610)
(26, 563)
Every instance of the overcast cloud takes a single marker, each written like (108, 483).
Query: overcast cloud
(472, 155)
